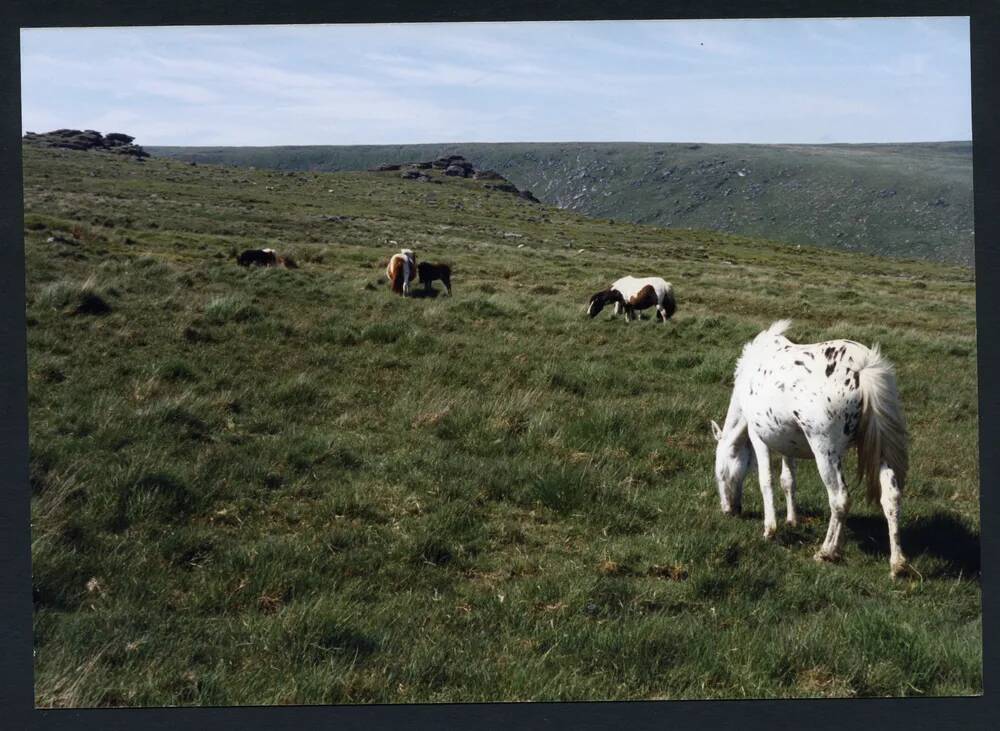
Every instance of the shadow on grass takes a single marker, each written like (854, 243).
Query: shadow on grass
(810, 528)
(940, 536)
(421, 293)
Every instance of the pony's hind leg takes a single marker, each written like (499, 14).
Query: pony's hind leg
(788, 485)
(890, 500)
(836, 489)
(764, 478)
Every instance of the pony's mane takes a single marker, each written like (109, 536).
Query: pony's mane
(776, 329)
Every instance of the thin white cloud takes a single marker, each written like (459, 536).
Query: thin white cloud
(708, 81)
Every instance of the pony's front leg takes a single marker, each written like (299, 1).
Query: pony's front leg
(763, 456)
(836, 489)
(788, 485)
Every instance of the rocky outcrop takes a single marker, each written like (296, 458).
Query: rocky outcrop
(454, 166)
(88, 139)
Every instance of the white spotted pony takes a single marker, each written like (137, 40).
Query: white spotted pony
(636, 293)
(401, 271)
(814, 401)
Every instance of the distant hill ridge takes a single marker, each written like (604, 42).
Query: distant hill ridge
(909, 200)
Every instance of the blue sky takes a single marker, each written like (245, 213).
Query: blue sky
(766, 81)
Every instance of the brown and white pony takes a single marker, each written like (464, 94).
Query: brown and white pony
(257, 257)
(401, 270)
(429, 272)
(631, 294)
(265, 258)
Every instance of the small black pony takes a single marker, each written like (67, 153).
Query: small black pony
(429, 272)
(258, 257)
(265, 258)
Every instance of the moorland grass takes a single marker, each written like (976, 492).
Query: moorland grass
(273, 486)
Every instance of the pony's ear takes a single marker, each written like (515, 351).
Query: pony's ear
(716, 431)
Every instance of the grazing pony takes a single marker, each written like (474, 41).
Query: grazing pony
(265, 258)
(402, 267)
(258, 257)
(814, 401)
(636, 293)
(429, 272)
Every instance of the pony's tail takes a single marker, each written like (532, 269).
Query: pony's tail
(669, 302)
(397, 277)
(882, 434)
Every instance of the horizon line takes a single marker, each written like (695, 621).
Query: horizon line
(573, 142)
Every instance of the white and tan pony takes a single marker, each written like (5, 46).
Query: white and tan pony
(814, 402)
(401, 271)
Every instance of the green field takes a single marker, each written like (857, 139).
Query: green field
(292, 486)
(910, 200)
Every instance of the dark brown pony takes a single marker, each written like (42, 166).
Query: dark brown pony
(429, 272)
(258, 257)
(265, 258)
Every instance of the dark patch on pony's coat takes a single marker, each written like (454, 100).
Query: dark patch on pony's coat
(644, 298)
(830, 369)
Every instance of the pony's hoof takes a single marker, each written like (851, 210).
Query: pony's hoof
(791, 522)
(900, 569)
(824, 557)
(770, 533)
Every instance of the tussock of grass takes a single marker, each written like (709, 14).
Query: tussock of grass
(73, 298)
(230, 308)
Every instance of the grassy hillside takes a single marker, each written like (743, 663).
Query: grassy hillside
(292, 486)
(906, 200)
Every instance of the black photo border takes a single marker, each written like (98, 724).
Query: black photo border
(16, 667)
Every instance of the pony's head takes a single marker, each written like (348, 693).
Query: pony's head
(733, 457)
(599, 300)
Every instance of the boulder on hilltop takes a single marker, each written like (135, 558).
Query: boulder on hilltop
(88, 139)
